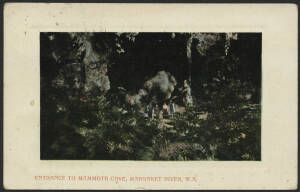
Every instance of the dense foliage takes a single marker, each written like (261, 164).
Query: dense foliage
(85, 78)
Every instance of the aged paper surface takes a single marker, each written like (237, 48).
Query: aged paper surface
(23, 23)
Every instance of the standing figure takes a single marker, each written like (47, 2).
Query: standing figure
(150, 110)
(165, 109)
(172, 108)
(187, 100)
(156, 109)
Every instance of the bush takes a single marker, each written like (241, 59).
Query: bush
(120, 134)
(229, 132)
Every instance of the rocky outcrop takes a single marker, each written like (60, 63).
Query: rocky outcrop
(90, 73)
(86, 70)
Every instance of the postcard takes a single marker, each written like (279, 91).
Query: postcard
(150, 96)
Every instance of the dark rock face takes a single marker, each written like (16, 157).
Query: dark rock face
(93, 63)
(88, 75)
(95, 69)
(87, 70)
(70, 77)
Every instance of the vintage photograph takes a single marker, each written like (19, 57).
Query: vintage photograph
(164, 96)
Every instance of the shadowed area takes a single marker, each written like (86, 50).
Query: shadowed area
(150, 96)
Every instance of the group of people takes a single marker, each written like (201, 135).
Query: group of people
(167, 109)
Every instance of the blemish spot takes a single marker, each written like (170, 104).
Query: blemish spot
(56, 24)
(32, 102)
